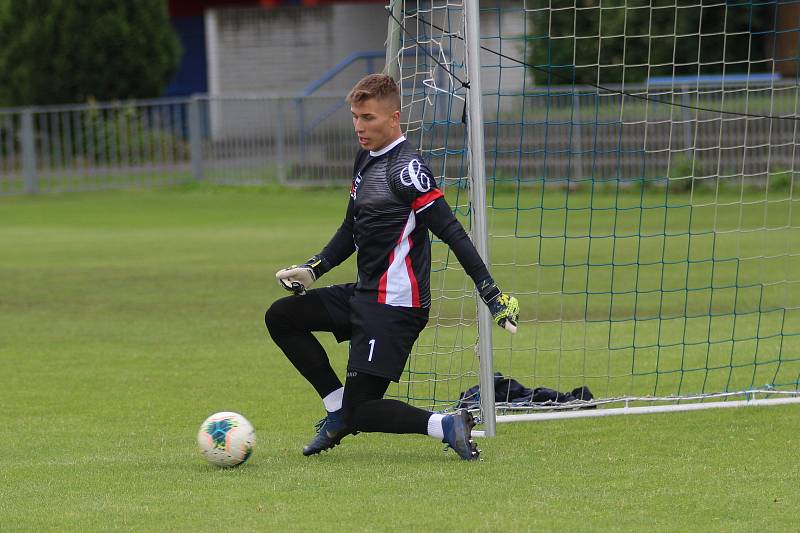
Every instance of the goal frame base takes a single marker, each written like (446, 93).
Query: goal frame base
(640, 410)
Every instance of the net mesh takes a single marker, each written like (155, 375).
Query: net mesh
(641, 160)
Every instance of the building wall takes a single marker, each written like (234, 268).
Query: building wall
(787, 53)
(283, 50)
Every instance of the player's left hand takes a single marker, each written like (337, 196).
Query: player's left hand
(298, 278)
(504, 308)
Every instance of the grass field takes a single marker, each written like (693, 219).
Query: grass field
(128, 317)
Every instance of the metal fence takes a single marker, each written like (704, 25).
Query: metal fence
(232, 140)
(557, 134)
(649, 132)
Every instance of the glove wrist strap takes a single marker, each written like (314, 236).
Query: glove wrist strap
(488, 290)
(319, 265)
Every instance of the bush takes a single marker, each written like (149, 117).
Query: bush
(682, 174)
(780, 180)
(629, 51)
(65, 51)
(125, 134)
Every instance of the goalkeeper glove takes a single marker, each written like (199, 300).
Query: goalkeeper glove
(504, 308)
(298, 278)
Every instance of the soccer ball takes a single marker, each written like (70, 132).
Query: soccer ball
(226, 439)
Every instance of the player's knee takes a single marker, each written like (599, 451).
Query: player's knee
(278, 317)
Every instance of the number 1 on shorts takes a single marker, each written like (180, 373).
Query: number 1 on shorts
(371, 349)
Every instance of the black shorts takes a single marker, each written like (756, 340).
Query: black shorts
(381, 336)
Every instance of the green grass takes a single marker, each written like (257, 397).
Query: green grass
(128, 317)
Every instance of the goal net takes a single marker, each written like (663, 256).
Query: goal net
(640, 161)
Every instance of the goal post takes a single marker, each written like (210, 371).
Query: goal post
(477, 176)
(628, 169)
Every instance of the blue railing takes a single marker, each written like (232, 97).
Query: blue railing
(331, 73)
(307, 126)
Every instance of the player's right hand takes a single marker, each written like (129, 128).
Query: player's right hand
(505, 312)
(298, 278)
(504, 308)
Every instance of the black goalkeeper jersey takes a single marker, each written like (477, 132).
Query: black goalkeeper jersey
(394, 200)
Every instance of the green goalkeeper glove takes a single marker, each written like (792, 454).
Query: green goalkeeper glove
(504, 308)
(298, 278)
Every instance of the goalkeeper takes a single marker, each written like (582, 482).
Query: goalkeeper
(394, 201)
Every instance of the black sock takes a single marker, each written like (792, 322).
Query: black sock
(367, 411)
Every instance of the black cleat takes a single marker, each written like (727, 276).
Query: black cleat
(458, 434)
(330, 432)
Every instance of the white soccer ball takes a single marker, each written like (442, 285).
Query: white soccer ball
(226, 439)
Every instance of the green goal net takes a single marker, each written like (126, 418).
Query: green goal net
(640, 161)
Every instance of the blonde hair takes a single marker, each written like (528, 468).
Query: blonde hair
(377, 86)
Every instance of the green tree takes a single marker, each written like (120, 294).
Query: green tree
(611, 41)
(60, 51)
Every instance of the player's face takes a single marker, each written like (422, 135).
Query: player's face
(377, 123)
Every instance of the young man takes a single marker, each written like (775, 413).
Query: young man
(394, 201)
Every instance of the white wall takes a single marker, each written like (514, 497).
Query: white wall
(283, 50)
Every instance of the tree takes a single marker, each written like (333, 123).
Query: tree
(633, 40)
(62, 51)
